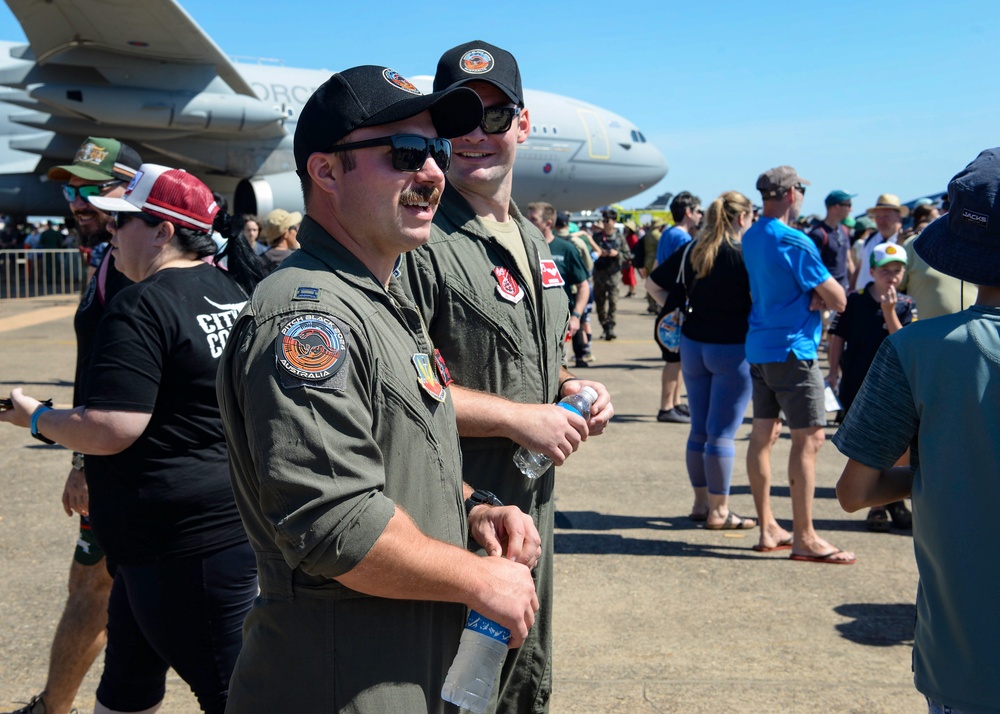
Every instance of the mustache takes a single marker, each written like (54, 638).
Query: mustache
(421, 194)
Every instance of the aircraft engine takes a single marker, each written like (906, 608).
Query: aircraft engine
(262, 194)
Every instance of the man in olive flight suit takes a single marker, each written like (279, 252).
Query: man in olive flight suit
(494, 304)
(341, 429)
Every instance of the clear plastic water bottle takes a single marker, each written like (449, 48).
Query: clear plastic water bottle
(531, 463)
(472, 675)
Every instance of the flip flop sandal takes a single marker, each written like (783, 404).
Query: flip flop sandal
(731, 524)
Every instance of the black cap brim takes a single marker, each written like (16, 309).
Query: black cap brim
(455, 111)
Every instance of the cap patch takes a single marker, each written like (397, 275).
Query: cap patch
(311, 347)
(397, 80)
(134, 181)
(978, 219)
(890, 250)
(476, 62)
(90, 153)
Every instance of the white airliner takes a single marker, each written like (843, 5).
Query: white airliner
(148, 75)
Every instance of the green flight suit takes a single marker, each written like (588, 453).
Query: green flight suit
(513, 349)
(328, 427)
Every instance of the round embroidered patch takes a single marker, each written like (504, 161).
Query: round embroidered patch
(397, 80)
(312, 347)
(476, 62)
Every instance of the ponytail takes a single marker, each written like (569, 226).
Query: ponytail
(244, 268)
(720, 225)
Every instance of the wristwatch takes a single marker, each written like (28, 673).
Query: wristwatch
(480, 496)
(78, 462)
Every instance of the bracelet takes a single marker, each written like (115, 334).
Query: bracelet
(577, 315)
(34, 423)
(563, 384)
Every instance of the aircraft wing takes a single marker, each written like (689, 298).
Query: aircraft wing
(109, 33)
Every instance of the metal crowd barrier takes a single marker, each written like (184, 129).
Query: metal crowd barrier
(39, 273)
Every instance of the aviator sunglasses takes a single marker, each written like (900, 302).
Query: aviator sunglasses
(497, 120)
(84, 192)
(409, 151)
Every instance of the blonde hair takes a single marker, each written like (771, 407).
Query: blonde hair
(720, 225)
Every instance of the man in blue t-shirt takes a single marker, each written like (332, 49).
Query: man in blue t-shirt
(686, 212)
(790, 286)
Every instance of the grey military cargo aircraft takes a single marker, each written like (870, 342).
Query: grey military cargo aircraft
(148, 75)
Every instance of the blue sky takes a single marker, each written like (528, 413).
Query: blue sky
(870, 97)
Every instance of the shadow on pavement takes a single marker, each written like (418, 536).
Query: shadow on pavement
(878, 624)
(606, 544)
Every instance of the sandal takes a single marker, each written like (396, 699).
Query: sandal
(901, 516)
(878, 520)
(732, 524)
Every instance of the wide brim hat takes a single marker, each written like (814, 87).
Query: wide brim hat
(371, 96)
(965, 242)
(888, 200)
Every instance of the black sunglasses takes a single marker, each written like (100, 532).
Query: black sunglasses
(497, 120)
(119, 219)
(84, 192)
(409, 151)
(801, 188)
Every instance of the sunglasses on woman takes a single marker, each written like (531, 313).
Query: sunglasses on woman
(497, 120)
(84, 192)
(120, 219)
(409, 151)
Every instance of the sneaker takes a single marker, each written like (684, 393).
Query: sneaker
(588, 357)
(609, 335)
(653, 310)
(900, 514)
(683, 409)
(672, 416)
(581, 363)
(35, 706)
(878, 520)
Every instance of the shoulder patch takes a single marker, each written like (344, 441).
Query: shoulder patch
(312, 349)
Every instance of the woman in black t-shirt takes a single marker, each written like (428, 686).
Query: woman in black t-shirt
(161, 503)
(713, 356)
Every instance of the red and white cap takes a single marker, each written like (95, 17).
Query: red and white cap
(169, 194)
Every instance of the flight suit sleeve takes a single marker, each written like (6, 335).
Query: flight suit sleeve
(317, 471)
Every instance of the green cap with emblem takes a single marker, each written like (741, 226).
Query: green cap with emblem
(100, 159)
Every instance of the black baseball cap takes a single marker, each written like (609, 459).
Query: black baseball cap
(370, 96)
(478, 60)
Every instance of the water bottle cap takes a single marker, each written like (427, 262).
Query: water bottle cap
(590, 393)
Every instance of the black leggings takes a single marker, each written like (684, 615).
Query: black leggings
(186, 614)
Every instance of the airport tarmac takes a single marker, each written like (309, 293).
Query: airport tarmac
(652, 614)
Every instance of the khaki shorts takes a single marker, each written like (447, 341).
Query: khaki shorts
(794, 387)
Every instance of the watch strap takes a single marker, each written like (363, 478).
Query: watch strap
(481, 496)
(34, 423)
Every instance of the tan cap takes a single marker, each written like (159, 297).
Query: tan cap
(277, 222)
(774, 182)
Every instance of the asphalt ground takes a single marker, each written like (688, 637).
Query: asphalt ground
(653, 612)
